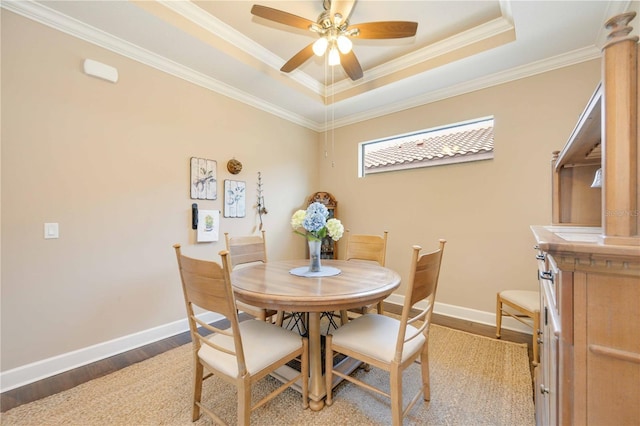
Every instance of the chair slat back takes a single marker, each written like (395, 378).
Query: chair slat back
(423, 284)
(246, 249)
(207, 285)
(426, 273)
(366, 247)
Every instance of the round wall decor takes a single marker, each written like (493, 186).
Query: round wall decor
(234, 166)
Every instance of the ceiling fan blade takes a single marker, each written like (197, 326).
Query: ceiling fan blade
(298, 59)
(281, 17)
(386, 29)
(343, 7)
(351, 65)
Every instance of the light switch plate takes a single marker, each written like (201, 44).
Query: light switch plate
(51, 230)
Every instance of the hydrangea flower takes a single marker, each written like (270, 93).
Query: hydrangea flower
(335, 229)
(315, 224)
(297, 218)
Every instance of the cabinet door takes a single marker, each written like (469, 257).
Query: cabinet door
(611, 349)
(551, 342)
(548, 380)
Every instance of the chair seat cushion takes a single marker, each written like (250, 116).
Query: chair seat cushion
(530, 300)
(375, 335)
(263, 344)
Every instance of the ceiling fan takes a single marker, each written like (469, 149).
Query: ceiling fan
(335, 34)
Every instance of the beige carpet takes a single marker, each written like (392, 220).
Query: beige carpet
(474, 381)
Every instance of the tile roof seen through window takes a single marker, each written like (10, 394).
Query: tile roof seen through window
(450, 145)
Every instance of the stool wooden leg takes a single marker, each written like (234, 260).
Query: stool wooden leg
(498, 316)
(536, 328)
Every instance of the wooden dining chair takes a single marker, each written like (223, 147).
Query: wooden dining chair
(392, 344)
(372, 248)
(242, 354)
(244, 250)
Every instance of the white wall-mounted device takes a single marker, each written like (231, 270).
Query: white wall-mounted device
(100, 70)
(51, 231)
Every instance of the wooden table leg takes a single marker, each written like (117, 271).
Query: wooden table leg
(317, 390)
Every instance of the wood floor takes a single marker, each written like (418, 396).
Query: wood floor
(72, 378)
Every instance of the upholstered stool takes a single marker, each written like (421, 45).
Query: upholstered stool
(526, 304)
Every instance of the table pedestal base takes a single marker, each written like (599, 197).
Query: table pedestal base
(317, 388)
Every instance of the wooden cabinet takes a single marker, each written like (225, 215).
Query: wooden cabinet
(574, 200)
(329, 248)
(589, 370)
(589, 258)
(605, 137)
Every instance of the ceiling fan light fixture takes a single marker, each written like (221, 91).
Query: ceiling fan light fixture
(334, 56)
(335, 33)
(344, 44)
(320, 46)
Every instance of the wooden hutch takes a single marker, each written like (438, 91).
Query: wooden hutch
(329, 248)
(589, 258)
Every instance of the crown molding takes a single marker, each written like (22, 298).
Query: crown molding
(44, 15)
(51, 18)
(213, 25)
(517, 73)
(466, 38)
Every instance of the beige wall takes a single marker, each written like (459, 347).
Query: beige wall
(110, 164)
(483, 209)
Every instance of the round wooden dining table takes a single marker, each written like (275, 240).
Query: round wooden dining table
(272, 285)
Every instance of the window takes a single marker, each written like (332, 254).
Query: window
(454, 143)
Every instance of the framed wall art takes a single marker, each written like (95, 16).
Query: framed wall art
(208, 225)
(203, 179)
(234, 198)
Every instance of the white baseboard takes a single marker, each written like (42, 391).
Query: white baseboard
(39, 370)
(473, 315)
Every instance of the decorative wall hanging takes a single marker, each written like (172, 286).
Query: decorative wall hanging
(203, 179)
(234, 198)
(260, 206)
(208, 225)
(234, 166)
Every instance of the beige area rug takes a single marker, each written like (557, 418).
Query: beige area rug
(474, 381)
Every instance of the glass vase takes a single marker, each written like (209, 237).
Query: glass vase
(314, 256)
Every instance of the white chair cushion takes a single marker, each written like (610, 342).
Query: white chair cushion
(263, 344)
(530, 300)
(375, 335)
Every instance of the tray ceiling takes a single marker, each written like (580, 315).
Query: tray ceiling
(460, 46)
